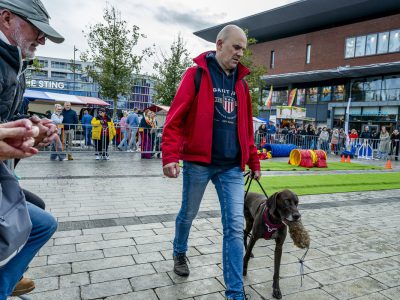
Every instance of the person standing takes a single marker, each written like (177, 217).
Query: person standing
(103, 132)
(123, 126)
(211, 131)
(70, 121)
(24, 25)
(56, 145)
(132, 122)
(395, 141)
(384, 143)
(87, 127)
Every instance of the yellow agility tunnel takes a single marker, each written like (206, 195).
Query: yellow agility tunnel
(308, 158)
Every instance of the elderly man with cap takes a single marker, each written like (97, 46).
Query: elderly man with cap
(24, 25)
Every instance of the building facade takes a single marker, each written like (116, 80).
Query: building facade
(327, 52)
(59, 75)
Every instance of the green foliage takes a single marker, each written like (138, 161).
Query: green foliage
(169, 70)
(254, 79)
(111, 46)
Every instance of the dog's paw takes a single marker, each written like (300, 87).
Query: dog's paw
(276, 293)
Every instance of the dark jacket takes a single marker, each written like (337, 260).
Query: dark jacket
(70, 117)
(12, 81)
(189, 125)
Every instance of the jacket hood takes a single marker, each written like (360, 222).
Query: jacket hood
(201, 61)
(10, 55)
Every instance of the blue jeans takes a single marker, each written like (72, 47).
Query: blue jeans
(43, 227)
(132, 141)
(124, 143)
(229, 184)
(88, 134)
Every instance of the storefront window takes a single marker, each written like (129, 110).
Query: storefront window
(350, 46)
(372, 88)
(326, 94)
(371, 44)
(301, 97)
(312, 95)
(279, 97)
(338, 93)
(383, 42)
(357, 90)
(391, 88)
(394, 43)
(360, 46)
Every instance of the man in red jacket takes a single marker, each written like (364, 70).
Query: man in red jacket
(211, 131)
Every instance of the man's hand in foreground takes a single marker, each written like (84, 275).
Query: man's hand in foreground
(171, 170)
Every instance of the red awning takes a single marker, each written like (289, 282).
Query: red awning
(93, 101)
(157, 108)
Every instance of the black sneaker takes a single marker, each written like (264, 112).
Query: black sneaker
(180, 265)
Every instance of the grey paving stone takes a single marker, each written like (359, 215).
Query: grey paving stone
(379, 265)
(46, 284)
(320, 264)
(192, 251)
(99, 264)
(209, 248)
(154, 247)
(354, 288)
(374, 296)
(150, 281)
(74, 280)
(49, 271)
(128, 234)
(61, 234)
(189, 289)
(392, 293)
(64, 294)
(57, 250)
(141, 295)
(143, 226)
(257, 276)
(338, 274)
(38, 261)
(73, 257)
(120, 251)
(390, 278)
(104, 230)
(314, 294)
(260, 263)
(213, 296)
(105, 289)
(148, 257)
(287, 285)
(153, 239)
(123, 272)
(104, 244)
(197, 273)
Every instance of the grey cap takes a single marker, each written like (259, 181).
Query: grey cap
(34, 12)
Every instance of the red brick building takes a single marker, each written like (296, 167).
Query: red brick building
(330, 51)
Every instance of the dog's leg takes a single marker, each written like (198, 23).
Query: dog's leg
(246, 258)
(276, 291)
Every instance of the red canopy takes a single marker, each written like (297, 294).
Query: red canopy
(93, 101)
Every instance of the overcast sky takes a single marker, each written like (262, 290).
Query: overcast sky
(160, 21)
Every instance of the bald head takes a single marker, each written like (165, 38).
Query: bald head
(231, 44)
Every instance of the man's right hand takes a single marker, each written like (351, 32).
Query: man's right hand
(171, 170)
(17, 139)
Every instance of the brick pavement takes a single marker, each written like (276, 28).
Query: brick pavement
(116, 231)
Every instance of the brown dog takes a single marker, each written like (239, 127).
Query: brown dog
(266, 218)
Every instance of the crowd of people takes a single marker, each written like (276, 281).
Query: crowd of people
(329, 140)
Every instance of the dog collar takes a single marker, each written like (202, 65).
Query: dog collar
(270, 227)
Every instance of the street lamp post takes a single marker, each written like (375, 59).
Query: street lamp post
(74, 68)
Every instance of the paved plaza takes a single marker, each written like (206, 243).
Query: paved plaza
(116, 226)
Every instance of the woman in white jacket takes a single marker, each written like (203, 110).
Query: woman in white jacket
(56, 145)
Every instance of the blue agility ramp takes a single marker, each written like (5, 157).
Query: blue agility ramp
(365, 152)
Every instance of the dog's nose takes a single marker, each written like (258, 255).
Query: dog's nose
(296, 216)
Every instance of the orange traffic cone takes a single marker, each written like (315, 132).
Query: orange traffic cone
(342, 160)
(348, 159)
(388, 165)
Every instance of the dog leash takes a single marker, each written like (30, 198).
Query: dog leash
(249, 177)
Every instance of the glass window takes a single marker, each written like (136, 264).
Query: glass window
(272, 62)
(308, 54)
(371, 44)
(372, 88)
(312, 95)
(279, 97)
(383, 42)
(391, 88)
(360, 46)
(394, 43)
(301, 97)
(338, 93)
(350, 46)
(357, 90)
(326, 94)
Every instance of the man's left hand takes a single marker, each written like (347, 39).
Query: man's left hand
(256, 174)
(47, 131)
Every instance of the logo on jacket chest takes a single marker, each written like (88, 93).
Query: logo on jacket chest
(226, 98)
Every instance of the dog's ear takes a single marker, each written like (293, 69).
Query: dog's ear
(272, 204)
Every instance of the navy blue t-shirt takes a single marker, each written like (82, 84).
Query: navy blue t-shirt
(225, 142)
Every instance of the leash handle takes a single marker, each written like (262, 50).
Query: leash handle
(249, 177)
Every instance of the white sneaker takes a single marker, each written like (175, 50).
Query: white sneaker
(106, 157)
(97, 157)
(130, 150)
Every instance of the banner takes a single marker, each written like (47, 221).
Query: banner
(346, 124)
(268, 102)
(292, 95)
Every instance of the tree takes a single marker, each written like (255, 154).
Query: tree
(254, 80)
(170, 69)
(111, 47)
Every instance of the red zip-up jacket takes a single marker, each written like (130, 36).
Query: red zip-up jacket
(188, 128)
